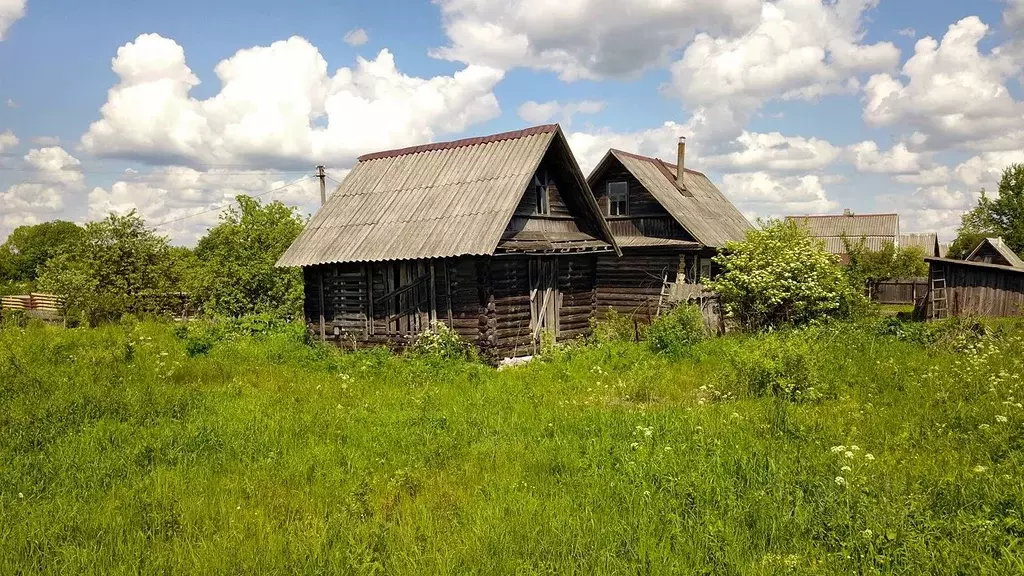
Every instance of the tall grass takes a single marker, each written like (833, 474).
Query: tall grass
(827, 450)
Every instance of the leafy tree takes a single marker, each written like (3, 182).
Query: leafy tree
(780, 275)
(889, 262)
(1002, 216)
(29, 247)
(234, 263)
(105, 274)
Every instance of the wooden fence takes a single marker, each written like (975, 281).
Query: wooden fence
(898, 291)
(710, 306)
(34, 304)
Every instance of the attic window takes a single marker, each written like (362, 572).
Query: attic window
(618, 199)
(540, 190)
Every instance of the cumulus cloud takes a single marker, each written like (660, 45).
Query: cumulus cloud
(185, 202)
(985, 170)
(356, 37)
(800, 49)
(540, 112)
(908, 32)
(10, 12)
(950, 93)
(933, 176)
(277, 107)
(775, 152)
(867, 157)
(769, 195)
(932, 208)
(583, 38)
(55, 176)
(660, 142)
(7, 141)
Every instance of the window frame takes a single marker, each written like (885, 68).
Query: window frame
(542, 195)
(624, 194)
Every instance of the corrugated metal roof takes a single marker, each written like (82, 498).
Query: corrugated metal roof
(876, 230)
(1004, 251)
(434, 201)
(927, 241)
(651, 242)
(855, 226)
(700, 208)
(975, 264)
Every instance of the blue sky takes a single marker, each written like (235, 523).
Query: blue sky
(791, 106)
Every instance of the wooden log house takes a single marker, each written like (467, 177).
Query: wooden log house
(497, 237)
(669, 222)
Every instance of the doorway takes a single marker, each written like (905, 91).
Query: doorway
(544, 297)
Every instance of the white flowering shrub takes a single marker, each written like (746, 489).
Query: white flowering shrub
(442, 342)
(779, 275)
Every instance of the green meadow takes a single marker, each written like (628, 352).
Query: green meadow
(874, 447)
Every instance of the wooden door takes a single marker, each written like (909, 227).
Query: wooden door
(544, 297)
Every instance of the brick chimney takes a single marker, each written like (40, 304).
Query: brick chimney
(681, 162)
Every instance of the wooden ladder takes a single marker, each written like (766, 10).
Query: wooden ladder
(664, 293)
(940, 305)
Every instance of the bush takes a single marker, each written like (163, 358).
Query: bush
(616, 327)
(443, 343)
(200, 336)
(782, 366)
(676, 330)
(780, 275)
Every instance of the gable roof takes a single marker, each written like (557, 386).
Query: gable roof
(699, 207)
(434, 201)
(876, 229)
(999, 246)
(927, 241)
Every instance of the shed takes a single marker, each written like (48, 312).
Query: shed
(668, 227)
(496, 237)
(875, 230)
(960, 287)
(928, 242)
(995, 251)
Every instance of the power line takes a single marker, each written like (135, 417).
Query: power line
(218, 208)
(251, 172)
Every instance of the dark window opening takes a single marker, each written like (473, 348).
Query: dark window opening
(618, 199)
(540, 188)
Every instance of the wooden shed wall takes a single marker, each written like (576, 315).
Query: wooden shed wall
(981, 291)
(632, 284)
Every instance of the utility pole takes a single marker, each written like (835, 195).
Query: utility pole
(320, 276)
(323, 184)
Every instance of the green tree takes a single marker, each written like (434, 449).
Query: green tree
(29, 247)
(780, 275)
(106, 274)
(234, 270)
(888, 262)
(1002, 216)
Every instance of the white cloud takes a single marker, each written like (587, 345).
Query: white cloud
(10, 12)
(986, 169)
(583, 38)
(933, 176)
(186, 202)
(932, 209)
(7, 141)
(1013, 15)
(356, 37)
(11, 103)
(867, 157)
(278, 106)
(775, 152)
(768, 195)
(800, 49)
(541, 112)
(55, 176)
(908, 32)
(951, 94)
(46, 141)
(660, 142)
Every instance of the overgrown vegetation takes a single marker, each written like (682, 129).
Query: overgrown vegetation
(889, 262)
(779, 276)
(878, 447)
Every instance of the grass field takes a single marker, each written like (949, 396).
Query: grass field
(829, 450)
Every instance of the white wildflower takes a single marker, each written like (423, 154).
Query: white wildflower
(980, 469)
(869, 457)
(840, 481)
(1001, 419)
(855, 448)
(867, 533)
(984, 427)
(838, 449)
(848, 454)
(846, 469)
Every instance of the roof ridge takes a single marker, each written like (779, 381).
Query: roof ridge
(657, 160)
(844, 216)
(472, 141)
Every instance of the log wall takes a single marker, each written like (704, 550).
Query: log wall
(980, 290)
(633, 284)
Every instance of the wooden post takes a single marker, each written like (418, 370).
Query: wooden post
(323, 324)
(432, 290)
(369, 298)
